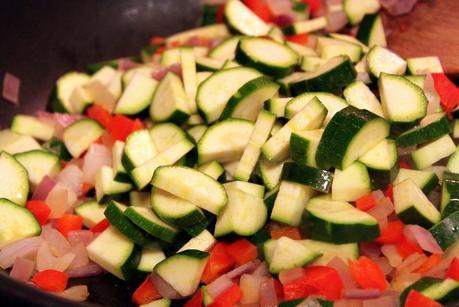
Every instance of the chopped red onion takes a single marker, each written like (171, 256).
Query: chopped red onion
(176, 69)
(362, 293)
(261, 270)
(398, 7)
(268, 296)
(97, 156)
(343, 270)
(80, 236)
(390, 251)
(370, 249)
(76, 293)
(159, 73)
(72, 177)
(21, 248)
(250, 287)
(383, 301)
(57, 243)
(47, 261)
(81, 256)
(423, 237)
(348, 303)
(290, 275)
(411, 263)
(22, 269)
(219, 286)
(382, 210)
(284, 20)
(126, 64)
(384, 264)
(11, 86)
(336, 20)
(193, 41)
(65, 120)
(43, 188)
(245, 268)
(91, 269)
(59, 200)
(279, 7)
(164, 288)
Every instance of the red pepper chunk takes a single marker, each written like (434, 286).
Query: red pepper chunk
(242, 251)
(100, 227)
(69, 222)
(259, 8)
(301, 38)
(121, 127)
(219, 263)
(416, 299)
(389, 192)
(405, 247)
(391, 233)
(51, 280)
(314, 5)
(453, 270)
(365, 202)
(146, 292)
(447, 90)
(101, 115)
(317, 280)
(228, 298)
(40, 210)
(368, 274)
(196, 300)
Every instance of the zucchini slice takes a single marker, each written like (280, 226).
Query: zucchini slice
(80, 135)
(137, 95)
(226, 50)
(419, 66)
(60, 99)
(318, 179)
(39, 164)
(444, 291)
(14, 184)
(430, 128)
(303, 146)
(330, 47)
(449, 194)
(107, 187)
(351, 183)
(445, 232)
(139, 148)
(270, 172)
(241, 19)
(371, 31)
(29, 125)
(149, 258)
(425, 180)
(117, 162)
(13, 143)
(247, 187)
(349, 251)
(204, 241)
(306, 26)
(356, 10)
(382, 60)
(358, 95)
(433, 152)
(92, 212)
(213, 169)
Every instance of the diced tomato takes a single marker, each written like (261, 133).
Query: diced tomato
(416, 299)
(51, 280)
(314, 5)
(405, 247)
(228, 298)
(453, 270)
(365, 202)
(447, 90)
(219, 263)
(157, 40)
(290, 232)
(146, 292)
(389, 192)
(391, 233)
(69, 222)
(368, 274)
(260, 8)
(404, 164)
(429, 263)
(301, 39)
(317, 280)
(121, 127)
(242, 251)
(196, 300)
(100, 227)
(101, 115)
(40, 210)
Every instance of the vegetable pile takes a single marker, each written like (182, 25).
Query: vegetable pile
(280, 165)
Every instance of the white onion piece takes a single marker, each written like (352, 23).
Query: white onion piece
(250, 287)
(400, 282)
(423, 237)
(21, 248)
(411, 263)
(290, 275)
(268, 296)
(57, 243)
(164, 288)
(384, 264)
(362, 293)
(343, 270)
(219, 285)
(382, 210)
(11, 86)
(72, 177)
(47, 261)
(59, 200)
(44, 187)
(97, 156)
(22, 269)
(390, 251)
(80, 236)
(81, 256)
(76, 293)
(245, 268)
(91, 269)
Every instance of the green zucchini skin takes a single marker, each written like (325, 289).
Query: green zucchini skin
(424, 134)
(317, 179)
(446, 232)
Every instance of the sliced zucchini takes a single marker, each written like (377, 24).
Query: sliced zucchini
(117, 164)
(433, 152)
(80, 135)
(53, 146)
(209, 64)
(449, 194)
(106, 186)
(226, 50)
(170, 102)
(149, 258)
(267, 56)
(260, 134)
(225, 141)
(197, 132)
(350, 39)
(213, 169)
(303, 146)
(241, 19)
(92, 212)
(357, 94)
(60, 100)
(311, 63)
(277, 105)
(444, 291)
(349, 251)
(137, 95)
(382, 60)
(301, 49)
(425, 180)
(13, 143)
(318, 179)
(139, 148)
(202, 242)
(412, 205)
(115, 253)
(419, 66)
(39, 164)
(445, 232)
(140, 199)
(212, 31)
(453, 162)
(190, 81)
(270, 172)
(355, 10)
(247, 187)
(14, 184)
(430, 128)
(191, 185)
(306, 26)
(351, 183)
(339, 222)
(330, 47)
(371, 31)
(32, 126)
(215, 92)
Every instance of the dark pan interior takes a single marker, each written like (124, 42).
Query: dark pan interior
(41, 39)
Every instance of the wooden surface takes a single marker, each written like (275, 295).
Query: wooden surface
(431, 29)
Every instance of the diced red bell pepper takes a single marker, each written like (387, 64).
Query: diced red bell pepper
(314, 5)
(278, 289)
(69, 222)
(219, 263)
(228, 298)
(242, 251)
(404, 164)
(389, 192)
(157, 40)
(51, 280)
(101, 115)
(429, 263)
(137, 125)
(453, 270)
(146, 292)
(259, 8)
(86, 188)
(121, 127)
(447, 90)
(100, 227)
(301, 39)
(196, 300)
(391, 233)
(365, 202)
(160, 50)
(416, 299)
(317, 280)
(405, 247)
(40, 210)
(290, 232)
(220, 17)
(368, 274)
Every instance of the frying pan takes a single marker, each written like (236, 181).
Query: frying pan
(40, 40)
